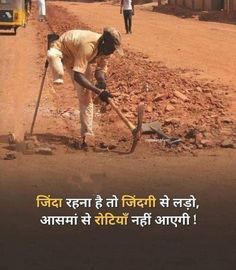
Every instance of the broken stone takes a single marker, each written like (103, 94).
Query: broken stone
(226, 120)
(66, 115)
(123, 139)
(199, 89)
(100, 150)
(30, 145)
(227, 144)
(207, 134)
(124, 110)
(180, 95)
(170, 108)
(44, 151)
(74, 143)
(103, 146)
(173, 101)
(172, 121)
(29, 137)
(198, 138)
(162, 85)
(149, 108)
(76, 113)
(226, 131)
(206, 142)
(159, 97)
(191, 134)
(10, 156)
(206, 90)
(199, 146)
(186, 148)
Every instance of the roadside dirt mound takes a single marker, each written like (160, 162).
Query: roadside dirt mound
(176, 10)
(196, 111)
(183, 12)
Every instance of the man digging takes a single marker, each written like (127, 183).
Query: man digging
(78, 49)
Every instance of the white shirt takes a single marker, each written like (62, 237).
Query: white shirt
(127, 4)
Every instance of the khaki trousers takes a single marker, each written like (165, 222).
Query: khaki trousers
(84, 95)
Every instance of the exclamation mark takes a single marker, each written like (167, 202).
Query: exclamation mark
(195, 219)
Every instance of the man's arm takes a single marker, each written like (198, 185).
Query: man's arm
(81, 79)
(132, 7)
(101, 80)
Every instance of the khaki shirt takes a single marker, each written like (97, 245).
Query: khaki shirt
(80, 48)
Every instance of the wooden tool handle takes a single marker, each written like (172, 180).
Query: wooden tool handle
(122, 117)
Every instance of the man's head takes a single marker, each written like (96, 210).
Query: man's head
(110, 41)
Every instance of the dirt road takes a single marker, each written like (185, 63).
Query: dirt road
(178, 43)
(208, 174)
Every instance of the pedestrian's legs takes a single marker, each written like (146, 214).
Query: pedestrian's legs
(130, 21)
(42, 9)
(54, 59)
(125, 13)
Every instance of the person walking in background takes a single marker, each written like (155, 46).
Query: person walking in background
(128, 11)
(42, 10)
(28, 5)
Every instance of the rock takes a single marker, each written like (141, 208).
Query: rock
(76, 113)
(100, 150)
(10, 156)
(226, 120)
(206, 90)
(198, 138)
(191, 134)
(162, 85)
(123, 139)
(30, 145)
(199, 89)
(180, 95)
(173, 101)
(170, 108)
(207, 134)
(30, 138)
(199, 146)
(124, 110)
(206, 142)
(186, 148)
(44, 151)
(227, 144)
(159, 97)
(226, 131)
(66, 115)
(172, 121)
(149, 108)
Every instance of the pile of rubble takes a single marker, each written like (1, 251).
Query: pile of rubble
(192, 109)
(30, 145)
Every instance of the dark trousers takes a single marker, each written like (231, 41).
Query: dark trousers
(128, 20)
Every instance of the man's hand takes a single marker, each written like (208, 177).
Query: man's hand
(101, 85)
(104, 95)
